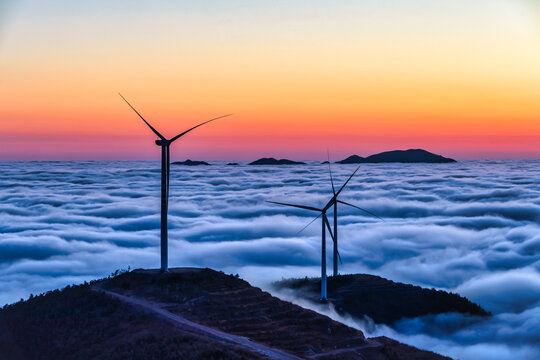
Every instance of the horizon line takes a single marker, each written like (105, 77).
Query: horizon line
(237, 160)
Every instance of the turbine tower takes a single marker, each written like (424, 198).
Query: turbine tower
(165, 171)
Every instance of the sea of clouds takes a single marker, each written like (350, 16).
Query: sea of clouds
(471, 227)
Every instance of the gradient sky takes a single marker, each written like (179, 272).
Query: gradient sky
(460, 78)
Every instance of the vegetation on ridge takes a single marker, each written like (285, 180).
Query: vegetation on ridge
(382, 300)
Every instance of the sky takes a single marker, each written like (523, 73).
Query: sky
(460, 78)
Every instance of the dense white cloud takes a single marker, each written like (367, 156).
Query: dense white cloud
(510, 291)
(469, 227)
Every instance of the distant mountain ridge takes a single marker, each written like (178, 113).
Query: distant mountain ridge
(189, 162)
(273, 161)
(399, 156)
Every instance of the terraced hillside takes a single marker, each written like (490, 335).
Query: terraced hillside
(231, 305)
(79, 323)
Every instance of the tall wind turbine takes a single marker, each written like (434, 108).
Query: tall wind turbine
(165, 171)
(324, 223)
(334, 202)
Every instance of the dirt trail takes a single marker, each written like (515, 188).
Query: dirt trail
(188, 325)
(371, 344)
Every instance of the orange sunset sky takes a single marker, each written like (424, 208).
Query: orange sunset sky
(459, 78)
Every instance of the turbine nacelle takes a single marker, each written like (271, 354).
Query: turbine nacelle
(160, 142)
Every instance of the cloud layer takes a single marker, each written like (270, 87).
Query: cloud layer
(470, 227)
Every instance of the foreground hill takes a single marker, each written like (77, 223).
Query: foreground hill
(382, 300)
(401, 156)
(79, 323)
(183, 314)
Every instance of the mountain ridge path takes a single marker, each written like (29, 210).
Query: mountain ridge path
(191, 326)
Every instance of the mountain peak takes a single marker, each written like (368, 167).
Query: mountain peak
(400, 156)
(273, 161)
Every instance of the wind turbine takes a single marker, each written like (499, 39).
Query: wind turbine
(334, 202)
(165, 171)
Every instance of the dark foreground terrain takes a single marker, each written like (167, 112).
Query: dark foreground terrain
(382, 300)
(183, 314)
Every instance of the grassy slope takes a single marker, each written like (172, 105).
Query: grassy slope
(232, 305)
(78, 323)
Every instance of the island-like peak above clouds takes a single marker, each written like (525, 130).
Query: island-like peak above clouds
(382, 300)
(272, 161)
(400, 156)
(189, 162)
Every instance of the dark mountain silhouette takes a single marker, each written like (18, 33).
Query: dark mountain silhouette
(401, 156)
(188, 162)
(353, 159)
(382, 300)
(272, 161)
(233, 164)
(186, 313)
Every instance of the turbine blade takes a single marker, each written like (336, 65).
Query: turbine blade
(207, 121)
(311, 222)
(346, 182)
(359, 208)
(325, 219)
(150, 126)
(330, 170)
(297, 206)
(339, 257)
